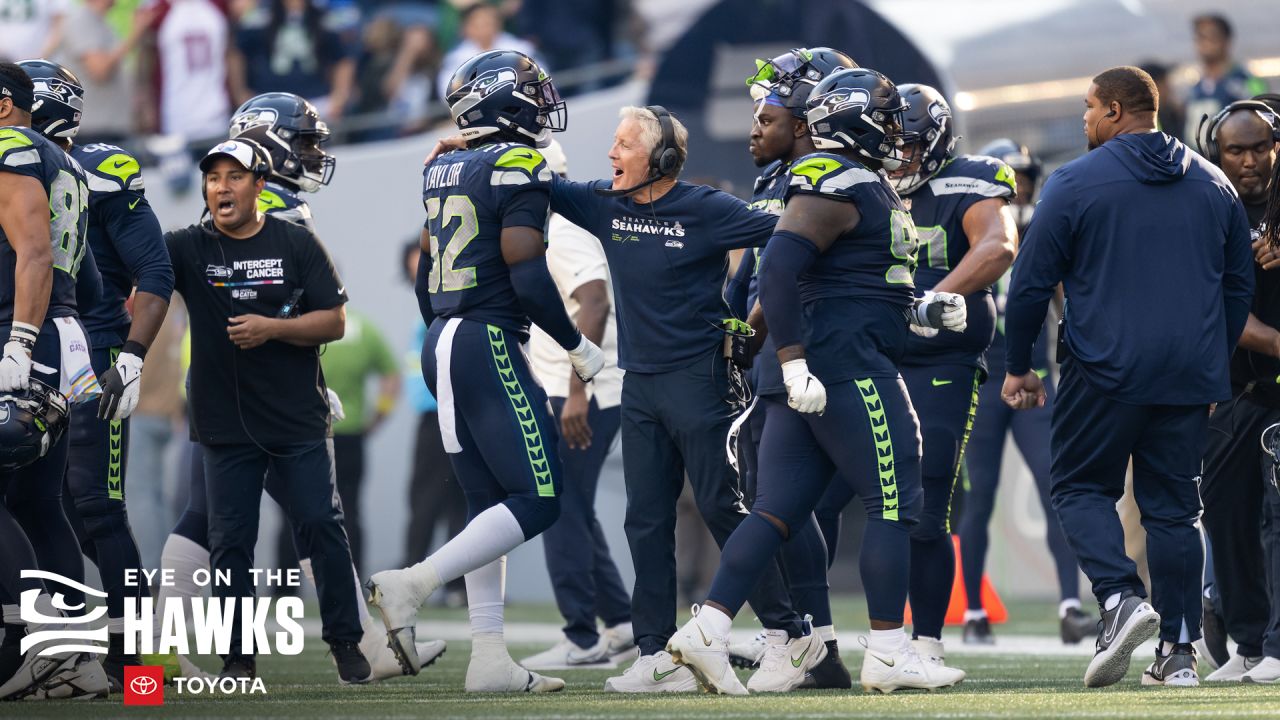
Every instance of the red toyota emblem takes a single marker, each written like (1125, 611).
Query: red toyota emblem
(143, 685)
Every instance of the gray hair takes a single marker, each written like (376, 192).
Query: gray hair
(651, 131)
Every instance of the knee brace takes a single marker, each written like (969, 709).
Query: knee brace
(535, 513)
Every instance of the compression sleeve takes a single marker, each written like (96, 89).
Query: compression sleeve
(789, 257)
(541, 301)
(422, 288)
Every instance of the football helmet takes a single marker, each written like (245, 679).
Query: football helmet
(31, 422)
(59, 99)
(859, 110)
(1017, 157)
(505, 93)
(289, 128)
(929, 120)
(793, 75)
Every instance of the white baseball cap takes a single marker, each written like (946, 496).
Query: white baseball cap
(244, 152)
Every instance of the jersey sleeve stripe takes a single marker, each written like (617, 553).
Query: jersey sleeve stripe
(18, 159)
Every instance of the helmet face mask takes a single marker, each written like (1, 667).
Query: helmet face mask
(59, 99)
(505, 93)
(291, 131)
(931, 125)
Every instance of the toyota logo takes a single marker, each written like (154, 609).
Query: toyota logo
(143, 685)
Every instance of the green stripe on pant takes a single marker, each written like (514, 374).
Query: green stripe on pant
(524, 413)
(884, 447)
(115, 450)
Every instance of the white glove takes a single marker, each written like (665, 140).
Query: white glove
(939, 311)
(15, 367)
(336, 412)
(121, 384)
(587, 359)
(805, 392)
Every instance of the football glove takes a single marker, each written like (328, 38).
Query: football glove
(587, 359)
(938, 311)
(805, 392)
(15, 366)
(121, 384)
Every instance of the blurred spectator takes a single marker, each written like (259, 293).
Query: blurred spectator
(286, 46)
(92, 50)
(31, 29)
(1171, 118)
(570, 33)
(434, 494)
(415, 21)
(1222, 80)
(481, 32)
(184, 67)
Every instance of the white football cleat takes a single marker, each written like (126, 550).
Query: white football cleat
(706, 656)
(786, 661)
(622, 642)
(34, 670)
(747, 654)
(565, 655)
(393, 593)
(492, 670)
(904, 669)
(1234, 670)
(930, 650)
(654, 673)
(383, 663)
(84, 680)
(1267, 672)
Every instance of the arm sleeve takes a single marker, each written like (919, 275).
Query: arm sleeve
(324, 289)
(422, 288)
(739, 286)
(1238, 277)
(738, 226)
(540, 300)
(789, 256)
(135, 233)
(1041, 264)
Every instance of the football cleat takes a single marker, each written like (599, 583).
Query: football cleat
(1177, 669)
(392, 593)
(622, 641)
(492, 670)
(1130, 624)
(747, 654)
(1235, 669)
(1076, 625)
(383, 662)
(707, 657)
(1211, 647)
(787, 661)
(830, 674)
(654, 673)
(565, 654)
(1266, 673)
(85, 679)
(978, 632)
(904, 669)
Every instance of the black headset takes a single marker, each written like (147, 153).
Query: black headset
(665, 158)
(1207, 130)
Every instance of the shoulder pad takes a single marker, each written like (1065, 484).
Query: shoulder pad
(975, 175)
(272, 199)
(109, 168)
(17, 148)
(520, 165)
(829, 174)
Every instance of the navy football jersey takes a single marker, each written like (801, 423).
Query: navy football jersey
(857, 293)
(770, 196)
(280, 201)
(26, 152)
(123, 235)
(938, 209)
(470, 196)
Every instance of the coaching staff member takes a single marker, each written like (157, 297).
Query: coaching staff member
(1152, 246)
(263, 295)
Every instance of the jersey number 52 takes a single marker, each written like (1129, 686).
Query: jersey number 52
(444, 277)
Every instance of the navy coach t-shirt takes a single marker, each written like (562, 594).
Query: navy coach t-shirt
(668, 263)
(278, 387)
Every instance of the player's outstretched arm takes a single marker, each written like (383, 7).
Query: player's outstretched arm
(993, 239)
(524, 251)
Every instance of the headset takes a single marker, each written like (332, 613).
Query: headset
(1207, 130)
(664, 160)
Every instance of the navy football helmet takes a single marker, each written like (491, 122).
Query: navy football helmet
(289, 128)
(793, 75)
(929, 121)
(505, 93)
(1017, 157)
(31, 422)
(859, 110)
(59, 99)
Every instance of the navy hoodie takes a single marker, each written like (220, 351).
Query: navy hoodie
(1151, 244)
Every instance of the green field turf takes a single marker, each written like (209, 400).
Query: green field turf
(999, 686)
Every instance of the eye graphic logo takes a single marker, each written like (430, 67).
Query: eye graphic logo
(69, 633)
(143, 685)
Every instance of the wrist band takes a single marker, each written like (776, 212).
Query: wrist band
(24, 334)
(134, 347)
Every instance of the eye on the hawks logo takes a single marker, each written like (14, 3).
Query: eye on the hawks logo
(143, 685)
(52, 610)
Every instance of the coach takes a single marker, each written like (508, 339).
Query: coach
(1152, 247)
(666, 242)
(262, 296)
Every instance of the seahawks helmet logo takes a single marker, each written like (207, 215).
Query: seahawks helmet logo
(938, 111)
(257, 117)
(490, 82)
(57, 90)
(846, 99)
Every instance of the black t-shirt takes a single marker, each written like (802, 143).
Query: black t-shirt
(275, 390)
(1258, 368)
